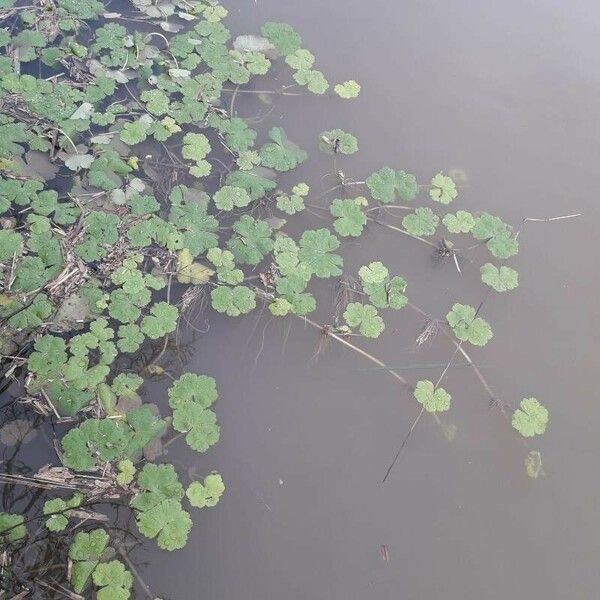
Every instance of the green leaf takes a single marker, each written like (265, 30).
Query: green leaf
(385, 183)
(300, 60)
(33, 315)
(247, 160)
(443, 189)
(300, 189)
(350, 218)
(257, 63)
(142, 205)
(113, 581)
(314, 80)
(135, 132)
(164, 129)
(124, 384)
(5, 37)
(337, 140)
(158, 479)
(235, 301)
(190, 217)
(189, 271)
(130, 338)
(382, 185)
(251, 240)
(162, 320)
(376, 272)
(190, 398)
(12, 528)
(253, 183)
(214, 13)
(290, 204)
(31, 274)
(497, 235)
(365, 317)
(75, 162)
(60, 520)
(462, 222)
(531, 418)
(423, 222)
(199, 423)
(157, 102)
(48, 357)
(107, 436)
(316, 247)
(126, 472)
(167, 522)
(395, 292)
(84, 9)
(467, 326)
(20, 192)
(38, 224)
(122, 308)
(291, 287)
(85, 552)
(228, 197)
(196, 147)
(159, 513)
(103, 440)
(238, 136)
(200, 389)
(502, 279)
(225, 264)
(282, 36)
(406, 185)
(101, 229)
(106, 171)
(281, 154)
(280, 307)
(348, 89)
(67, 400)
(432, 399)
(207, 494)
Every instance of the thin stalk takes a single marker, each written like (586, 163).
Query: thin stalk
(274, 92)
(418, 418)
(403, 231)
(136, 573)
(356, 349)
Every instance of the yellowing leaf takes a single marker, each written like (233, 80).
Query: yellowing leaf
(190, 271)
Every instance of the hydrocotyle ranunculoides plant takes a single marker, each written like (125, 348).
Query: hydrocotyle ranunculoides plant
(130, 190)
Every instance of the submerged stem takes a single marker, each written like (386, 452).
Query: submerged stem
(356, 349)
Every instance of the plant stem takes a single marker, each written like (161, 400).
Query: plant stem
(275, 92)
(132, 568)
(399, 230)
(356, 349)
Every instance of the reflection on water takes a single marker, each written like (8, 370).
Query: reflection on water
(507, 94)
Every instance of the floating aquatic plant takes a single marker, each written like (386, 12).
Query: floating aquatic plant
(207, 493)
(169, 200)
(467, 326)
(431, 398)
(530, 418)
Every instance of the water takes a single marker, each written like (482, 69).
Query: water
(508, 92)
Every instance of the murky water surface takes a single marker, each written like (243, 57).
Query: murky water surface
(508, 92)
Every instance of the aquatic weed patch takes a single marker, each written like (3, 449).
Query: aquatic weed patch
(129, 190)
